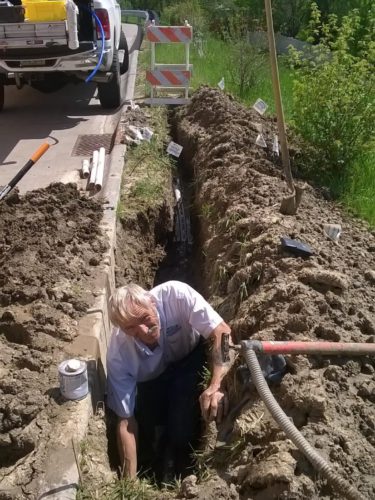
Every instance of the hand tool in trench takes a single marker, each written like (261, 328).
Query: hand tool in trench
(251, 348)
(289, 204)
(34, 158)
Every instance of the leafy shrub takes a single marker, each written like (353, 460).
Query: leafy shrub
(190, 10)
(245, 60)
(334, 95)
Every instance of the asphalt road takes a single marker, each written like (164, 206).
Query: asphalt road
(30, 118)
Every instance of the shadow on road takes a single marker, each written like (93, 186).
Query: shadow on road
(31, 115)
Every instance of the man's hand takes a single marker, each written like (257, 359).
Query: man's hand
(214, 404)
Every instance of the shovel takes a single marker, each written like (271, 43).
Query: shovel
(289, 204)
(34, 158)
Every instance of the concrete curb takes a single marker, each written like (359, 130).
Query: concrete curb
(61, 477)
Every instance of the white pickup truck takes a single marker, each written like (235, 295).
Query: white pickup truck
(48, 54)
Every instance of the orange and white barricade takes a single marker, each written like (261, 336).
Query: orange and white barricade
(172, 77)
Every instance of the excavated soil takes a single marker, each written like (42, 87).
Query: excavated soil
(265, 292)
(49, 251)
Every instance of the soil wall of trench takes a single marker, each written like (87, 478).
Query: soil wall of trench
(267, 293)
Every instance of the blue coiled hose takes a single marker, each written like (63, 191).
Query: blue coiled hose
(95, 70)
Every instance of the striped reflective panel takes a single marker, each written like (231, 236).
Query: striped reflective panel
(169, 34)
(169, 78)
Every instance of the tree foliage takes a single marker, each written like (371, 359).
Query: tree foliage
(334, 92)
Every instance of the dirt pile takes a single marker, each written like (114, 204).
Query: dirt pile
(267, 293)
(49, 250)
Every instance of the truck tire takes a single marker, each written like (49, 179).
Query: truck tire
(1, 96)
(124, 46)
(109, 93)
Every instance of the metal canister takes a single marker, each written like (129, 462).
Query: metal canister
(73, 379)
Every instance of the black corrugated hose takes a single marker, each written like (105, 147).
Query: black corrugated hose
(337, 482)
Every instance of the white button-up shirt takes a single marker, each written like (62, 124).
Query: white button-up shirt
(184, 315)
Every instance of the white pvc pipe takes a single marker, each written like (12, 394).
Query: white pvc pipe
(95, 158)
(85, 169)
(72, 16)
(100, 170)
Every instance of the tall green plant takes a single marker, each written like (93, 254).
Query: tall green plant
(245, 60)
(190, 10)
(334, 96)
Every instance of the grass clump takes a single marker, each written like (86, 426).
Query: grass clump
(148, 168)
(359, 189)
(120, 489)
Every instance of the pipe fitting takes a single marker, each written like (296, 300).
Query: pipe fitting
(252, 345)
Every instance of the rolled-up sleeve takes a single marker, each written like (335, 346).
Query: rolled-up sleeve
(121, 385)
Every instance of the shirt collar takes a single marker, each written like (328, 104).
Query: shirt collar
(144, 349)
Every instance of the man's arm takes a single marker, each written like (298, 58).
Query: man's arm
(127, 435)
(212, 397)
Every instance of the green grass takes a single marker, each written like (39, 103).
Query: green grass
(360, 189)
(132, 20)
(210, 68)
(120, 489)
(147, 168)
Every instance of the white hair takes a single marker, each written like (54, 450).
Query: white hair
(125, 301)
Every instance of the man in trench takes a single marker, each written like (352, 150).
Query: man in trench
(155, 362)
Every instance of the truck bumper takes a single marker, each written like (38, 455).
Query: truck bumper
(84, 59)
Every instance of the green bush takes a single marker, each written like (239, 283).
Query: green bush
(245, 60)
(190, 10)
(334, 97)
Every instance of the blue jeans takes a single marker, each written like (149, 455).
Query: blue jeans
(169, 419)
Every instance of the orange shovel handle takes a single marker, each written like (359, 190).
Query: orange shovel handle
(39, 152)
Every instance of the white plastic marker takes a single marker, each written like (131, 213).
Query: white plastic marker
(333, 231)
(221, 84)
(100, 170)
(259, 141)
(275, 145)
(136, 133)
(95, 158)
(260, 106)
(133, 106)
(177, 194)
(147, 134)
(85, 172)
(174, 149)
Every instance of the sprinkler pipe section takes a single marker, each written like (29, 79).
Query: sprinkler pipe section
(250, 348)
(296, 347)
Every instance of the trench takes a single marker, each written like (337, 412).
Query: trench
(265, 293)
(181, 260)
